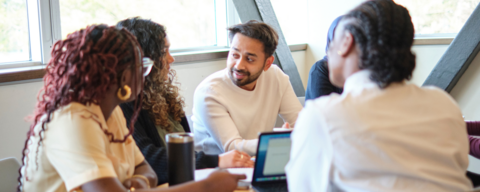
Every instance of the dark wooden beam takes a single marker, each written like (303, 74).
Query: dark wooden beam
(21, 74)
(459, 55)
(262, 10)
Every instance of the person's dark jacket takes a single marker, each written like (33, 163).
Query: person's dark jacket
(318, 82)
(155, 152)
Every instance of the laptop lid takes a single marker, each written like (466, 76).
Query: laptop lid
(273, 154)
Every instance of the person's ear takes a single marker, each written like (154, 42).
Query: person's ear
(346, 45)
(125, 86)
(268, 63)
(126, 78)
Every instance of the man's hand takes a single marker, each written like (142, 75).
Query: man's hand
(234, 159)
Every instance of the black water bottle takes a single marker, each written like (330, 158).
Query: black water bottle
(181, 158)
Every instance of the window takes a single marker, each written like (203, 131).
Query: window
(444, 17)
(188, 23)
(14, 37)
(20, 33)
(294, 26)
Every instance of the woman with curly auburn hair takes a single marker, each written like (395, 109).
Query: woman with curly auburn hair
(79, 140)
(162, 110)
(381, 133)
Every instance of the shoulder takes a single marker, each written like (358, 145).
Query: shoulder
(324, 103)
(436, 94)
(127, 108)
(76, 113)
(275, 70)
(212, 83)
(431, 90)
(319, 67)
(75, 120)
(117, 115)
(275, 75)
(313, 117)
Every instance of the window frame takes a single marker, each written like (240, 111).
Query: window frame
(34, 20)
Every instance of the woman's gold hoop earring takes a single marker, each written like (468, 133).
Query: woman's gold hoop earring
(339, 53)
(127, 95)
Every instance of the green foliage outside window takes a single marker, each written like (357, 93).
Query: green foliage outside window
(14, 38)
(439, 16)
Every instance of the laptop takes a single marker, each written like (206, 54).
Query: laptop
(273, 154)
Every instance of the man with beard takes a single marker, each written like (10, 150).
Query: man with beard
(233, 105)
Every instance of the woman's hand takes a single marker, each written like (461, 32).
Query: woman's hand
(135, 182)
(222, 180)
(234, 159)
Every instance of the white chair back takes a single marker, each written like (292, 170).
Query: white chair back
(476, 190)
(9, 174)
(190, 122)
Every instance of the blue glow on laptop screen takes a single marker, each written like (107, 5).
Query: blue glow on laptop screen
(272, 157)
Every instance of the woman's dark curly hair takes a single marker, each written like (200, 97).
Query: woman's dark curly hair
(383, 32)
(82, 69)
(161, 97)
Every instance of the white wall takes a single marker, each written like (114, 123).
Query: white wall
(17, 101)
(467, 94)
(427, 58)
(321, 13)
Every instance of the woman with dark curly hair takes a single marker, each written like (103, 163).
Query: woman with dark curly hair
(79, 140)
(381, 133)
(162, 106)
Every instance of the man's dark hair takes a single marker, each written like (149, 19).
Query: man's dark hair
(260, 31)
(383, 32)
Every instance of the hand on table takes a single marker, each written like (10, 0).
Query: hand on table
(222, 180)
(234, 159)
(135, 182)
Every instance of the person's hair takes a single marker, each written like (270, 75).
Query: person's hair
(161, 98)
(82, 69)
(257, 30)
(383, 32)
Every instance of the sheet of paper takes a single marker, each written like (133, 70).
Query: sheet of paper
(204, 173)
(280, 129)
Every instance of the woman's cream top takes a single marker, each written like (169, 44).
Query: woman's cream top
(76, 150)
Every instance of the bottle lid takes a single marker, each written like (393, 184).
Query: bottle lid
(179, 137)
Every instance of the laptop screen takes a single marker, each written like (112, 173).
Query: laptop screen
(272, 156)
